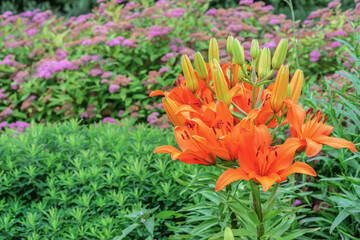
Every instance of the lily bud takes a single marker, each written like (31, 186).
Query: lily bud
(296, 85)
(280, 89)
(254, 49)
(200, 67)
(238, 52)
(171, 108)
(190, 77)
(229, 42)
(280, 54)
(213, 50)
(257, 62)
(221, 88)
(264, 63)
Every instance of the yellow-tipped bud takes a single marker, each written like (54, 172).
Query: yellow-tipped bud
(229, 43)
(190, 77)
(200, 67)
(257, 62)
(221, 88)
(213, 50)
(171, 107)
(280, 89)
(254, 49)
(238, 52)
(264, 63)
(280, 54)
(296, 85)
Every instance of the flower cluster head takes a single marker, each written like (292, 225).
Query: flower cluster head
(227, 115)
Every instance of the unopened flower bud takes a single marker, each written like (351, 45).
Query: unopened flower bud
(280, 54)
(200, 67)
(229, 43)
(171, 108)
(238, 52)
(221, 88)
(264, 63)
(296, 85)
(254, 49)
(189, 73)
(213, 50)
(257, 62)
(280, 89)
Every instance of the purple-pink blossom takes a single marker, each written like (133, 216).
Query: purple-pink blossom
(109, 120)
(335, 44)
(113, 88)
(246, 2)
(211, 11)
(268, 8)
(106, 74)
(334, 4)
(177, 12)
(339, 32)
(127, 43)
(163, 69)
(315, 55)
(95, 72)
(31, 32)
(120, 113)
(274, 21)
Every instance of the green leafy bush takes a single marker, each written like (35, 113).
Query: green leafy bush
(75, 182)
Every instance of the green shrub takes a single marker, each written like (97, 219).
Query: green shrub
(73, 182)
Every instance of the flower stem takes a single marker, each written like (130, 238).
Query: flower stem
(221, 166)
(255, 193)
(270, 119)
(253, 98)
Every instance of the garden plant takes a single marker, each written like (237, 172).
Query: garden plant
(258, 114)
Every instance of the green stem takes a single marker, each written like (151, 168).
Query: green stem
(272, 195)
(274, 130)
(198, 98)
(238, 108)
(233, 222)
(221, 166)
(231, 75)
(255, 193)
(289, 2)
(207, 84)
(267, 76)
(270, 119)
(244, 70)
(253, 98)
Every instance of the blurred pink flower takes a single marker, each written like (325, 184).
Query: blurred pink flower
(113, 88)
(31, 32)
(109, 120)
(246, 2)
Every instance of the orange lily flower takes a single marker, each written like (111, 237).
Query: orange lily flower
(261, 162)
(191, 152)
(311, 135)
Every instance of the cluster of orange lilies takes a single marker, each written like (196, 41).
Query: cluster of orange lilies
(227, 115)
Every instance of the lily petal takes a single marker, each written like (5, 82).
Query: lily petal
(335, 142)
(297, 167)
(266, 181)
(312, 147)
(229, 176)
